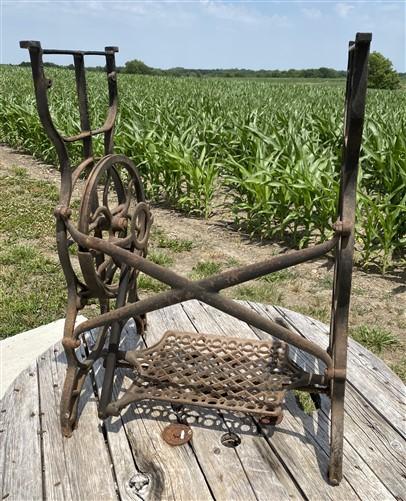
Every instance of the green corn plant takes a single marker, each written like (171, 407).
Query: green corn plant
(270, 149)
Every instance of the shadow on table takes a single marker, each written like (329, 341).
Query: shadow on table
(309, 430)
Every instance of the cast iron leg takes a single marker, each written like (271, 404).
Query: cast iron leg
(115, 334)
(335, 468)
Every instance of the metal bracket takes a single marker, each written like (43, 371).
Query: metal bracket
(343, 228)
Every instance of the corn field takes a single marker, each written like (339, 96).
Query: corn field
(268, 151)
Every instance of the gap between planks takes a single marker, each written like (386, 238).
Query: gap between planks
(146, 467)
(365, 372)
(365, 483)
(78, 467)
(63, 458)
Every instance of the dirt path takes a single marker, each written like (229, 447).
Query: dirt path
(377, 301)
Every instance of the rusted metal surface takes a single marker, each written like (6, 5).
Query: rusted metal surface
(111, 230)
(271, 421)
(357, 73)
(177, 434)
(214, 371)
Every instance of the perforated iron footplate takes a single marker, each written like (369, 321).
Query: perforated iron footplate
(244, 375)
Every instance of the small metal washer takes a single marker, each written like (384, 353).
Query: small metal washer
(177, 434)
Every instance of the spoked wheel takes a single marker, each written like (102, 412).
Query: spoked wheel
(113, 208)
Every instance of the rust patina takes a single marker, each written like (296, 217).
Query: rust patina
(111, 229)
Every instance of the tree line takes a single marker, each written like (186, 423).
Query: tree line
(138, 67)
(381, 72)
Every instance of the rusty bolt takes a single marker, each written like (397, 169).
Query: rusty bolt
(230, 439)
(342, 227)
(70, 343)
(62, 212)
(119, 223)
(339, 374)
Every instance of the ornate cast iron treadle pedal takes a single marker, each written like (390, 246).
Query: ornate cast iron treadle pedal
(234, 374)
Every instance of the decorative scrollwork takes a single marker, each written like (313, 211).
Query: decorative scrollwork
(113, 207)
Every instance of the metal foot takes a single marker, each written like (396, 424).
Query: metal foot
(335, 469)
(70, 399)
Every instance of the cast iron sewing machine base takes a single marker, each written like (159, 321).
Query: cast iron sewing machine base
(110, 231)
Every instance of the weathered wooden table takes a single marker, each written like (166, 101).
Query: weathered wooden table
(126, 458)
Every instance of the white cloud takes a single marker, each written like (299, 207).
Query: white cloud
(241, 14)
(343, 9)
(230, 12)
(172, 13)
(312, 13)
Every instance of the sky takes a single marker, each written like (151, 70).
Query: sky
(259, 34)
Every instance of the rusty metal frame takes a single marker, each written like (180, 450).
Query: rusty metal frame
(113, 243)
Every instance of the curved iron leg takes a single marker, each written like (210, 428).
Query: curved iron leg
(75, 374)
(72, 387)
(73, 383)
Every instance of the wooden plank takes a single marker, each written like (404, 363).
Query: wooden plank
(172, 472)
(374, 365)
(125, 469)
(78, 467)
(221, 465)
(20, 451)
(368, 439)
(369, 375)
(360, 357)
(146, 467)
(259, 461)
(362, 479)
(372, 439)
(377, 443)
(289, 440)
(56, 477)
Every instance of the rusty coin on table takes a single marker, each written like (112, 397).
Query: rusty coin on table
(177, 434)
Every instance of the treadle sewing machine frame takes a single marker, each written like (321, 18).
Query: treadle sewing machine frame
(213, 371)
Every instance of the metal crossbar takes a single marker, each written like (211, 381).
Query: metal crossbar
(112, 229)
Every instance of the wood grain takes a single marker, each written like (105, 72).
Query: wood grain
(221, 467)
(365, 447)
(259, 461)
(78, 467)
(126, 458)
(20, 451)
(369, 375)
(146, 467)
(361, 478)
